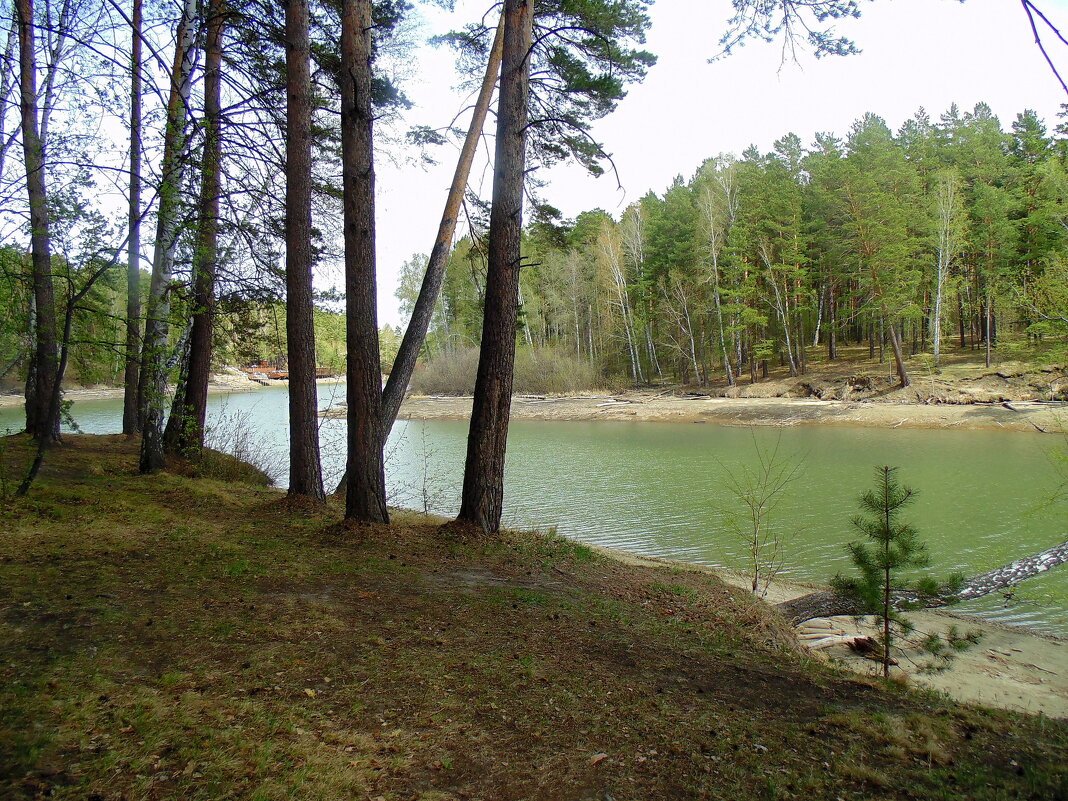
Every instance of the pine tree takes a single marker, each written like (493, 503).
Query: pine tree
(893, 547)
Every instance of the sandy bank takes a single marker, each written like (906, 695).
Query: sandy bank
(1029, 416)
(221, 383)
(1011, 667)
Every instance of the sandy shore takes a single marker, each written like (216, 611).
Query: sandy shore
(220, 384)
(676, 407)
(1011, 667)
(1028, 416)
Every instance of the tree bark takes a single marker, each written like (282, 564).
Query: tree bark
(827, 603)
(365, 496)
(483, 488)
(131, 423)
(39, 422)
(899, 360)
(305, 468)
(423, 312)
(192, 407)
(152, 383)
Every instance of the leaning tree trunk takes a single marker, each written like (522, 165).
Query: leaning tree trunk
(365, 496)
(827, 603)
(152, 383)
(131, 422)
(305, 467)
(39, 422)
(899, 360)
(423, 312)
(483, 488)
(192, 407)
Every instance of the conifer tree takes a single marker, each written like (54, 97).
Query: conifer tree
(893, 546)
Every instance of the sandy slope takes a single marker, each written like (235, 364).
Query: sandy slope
(1011, 667)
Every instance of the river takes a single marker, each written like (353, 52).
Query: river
(658, 488)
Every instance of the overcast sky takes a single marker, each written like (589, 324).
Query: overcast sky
(927, 53)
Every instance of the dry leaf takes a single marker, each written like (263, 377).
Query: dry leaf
(309, 692)
(598, 758)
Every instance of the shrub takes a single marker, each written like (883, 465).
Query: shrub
(538, 371)
(235, 452)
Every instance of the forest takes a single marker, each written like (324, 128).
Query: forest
(948, 235)
(174, 177)
(252, 131)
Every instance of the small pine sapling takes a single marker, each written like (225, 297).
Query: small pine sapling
(894, 547)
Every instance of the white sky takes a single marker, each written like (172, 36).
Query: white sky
(927, 53)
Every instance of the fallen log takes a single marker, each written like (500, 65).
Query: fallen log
(826, 603)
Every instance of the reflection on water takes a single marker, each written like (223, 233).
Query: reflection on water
(657, 488)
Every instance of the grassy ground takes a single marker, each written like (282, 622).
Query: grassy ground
(181, 636)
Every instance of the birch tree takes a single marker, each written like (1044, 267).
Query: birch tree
(950, 232)
(152, 386)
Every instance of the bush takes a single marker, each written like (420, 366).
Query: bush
(224, 467)
(545, 371)
(538, 371)
(235, 452)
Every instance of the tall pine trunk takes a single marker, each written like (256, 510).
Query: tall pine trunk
(430, 290)
(365, 496)
(152, 383)
(483, 488)
(131, 423)
(39, 422)
(305, 468)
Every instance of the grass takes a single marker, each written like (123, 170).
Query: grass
(177, 636)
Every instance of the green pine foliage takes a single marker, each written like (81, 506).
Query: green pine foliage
(886, 583)
(792, 256)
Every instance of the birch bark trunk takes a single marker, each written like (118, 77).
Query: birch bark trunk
(152, 383)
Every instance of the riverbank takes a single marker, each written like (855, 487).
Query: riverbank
(171, 636)
(664, 407)
(231, 380)
(962, 394)
(1012, 667)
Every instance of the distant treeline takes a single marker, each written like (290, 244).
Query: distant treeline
(951, 233)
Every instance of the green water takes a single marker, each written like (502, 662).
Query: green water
(657, 488)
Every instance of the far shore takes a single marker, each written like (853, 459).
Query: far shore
(1021, 416)
(220, 384)
(676, 406)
